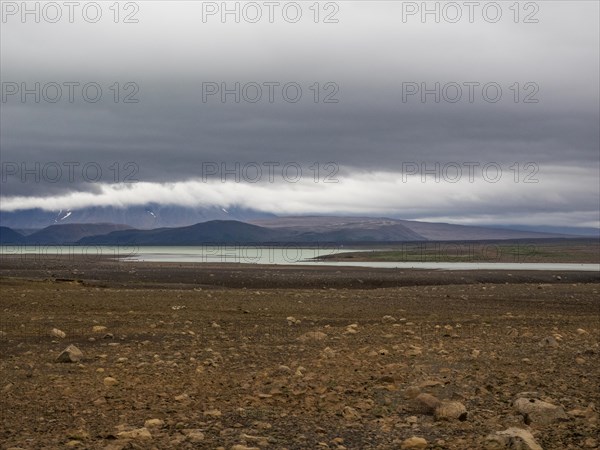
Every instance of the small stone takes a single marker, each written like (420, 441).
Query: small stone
(413, 351)
(283, 370)
(243, 447)
(511, 438)
(538, 411)
(312, 336)
(451, 411)
(213, 413)
(351, 329)
(194, 436)
(412, 392)
(139, 434)
(426, 403)
(581, 331)
(328, 353)
(70, 354)
(55, 332)
(388, 319)
(350, 413)
(98, 328)
(154, 423)
(110, 381)
(414, 443)
(549, 341)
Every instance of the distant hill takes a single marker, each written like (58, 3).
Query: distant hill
(213, 232)
(10, 237)
(71, 233)
(227, 231)
(378, 227)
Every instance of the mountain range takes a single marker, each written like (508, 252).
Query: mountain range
(142, 217)
(304, 229)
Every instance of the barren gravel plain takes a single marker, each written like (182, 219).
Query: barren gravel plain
(199, 356)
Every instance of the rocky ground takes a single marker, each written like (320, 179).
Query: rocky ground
(477, 365)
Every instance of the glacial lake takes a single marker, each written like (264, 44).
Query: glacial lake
(278, 255)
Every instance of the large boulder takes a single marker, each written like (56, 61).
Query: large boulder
(539, 412)
(71, 354)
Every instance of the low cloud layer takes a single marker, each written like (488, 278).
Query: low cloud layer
(547, 198)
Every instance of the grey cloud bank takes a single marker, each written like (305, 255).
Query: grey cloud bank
(372, 129)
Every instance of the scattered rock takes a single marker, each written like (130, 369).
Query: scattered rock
(194, 436)
(413, 351)
(549, 341)
(350, 413)
(71, 354)
(55, 332)
(328, 353)
(98, 328)
(414, 443)
(426, 403)
(213, 413)
(182, 398)
(451, 411)
(412, 392)
(110, 381)
(312, 336)
(590, 443)
(351, 329)
(388, 319)
(511, 438)
(291, 320)
(139, 434)
(538, 412)
(154, 423)
(283, 370)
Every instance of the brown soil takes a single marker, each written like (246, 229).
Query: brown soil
(203, 348)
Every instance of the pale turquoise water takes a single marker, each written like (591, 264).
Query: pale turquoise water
(285, 255)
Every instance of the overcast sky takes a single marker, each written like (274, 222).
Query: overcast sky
(373, 135)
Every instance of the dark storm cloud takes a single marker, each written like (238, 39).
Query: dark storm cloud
(368, 56)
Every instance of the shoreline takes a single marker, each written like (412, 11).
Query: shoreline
(106, 271)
